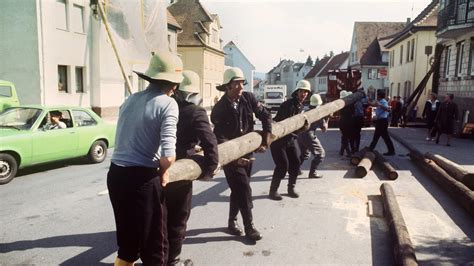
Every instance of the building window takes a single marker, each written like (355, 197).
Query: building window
(391, 89)
(80, 79)
(401, 54)
(471, 57)
(447, 60)
(408, 51)
(169, 43)
(398, 89)
(62, 79)
(412, 54)
(78, 19)
(61, 15)
(372, 73)
(459, 58)
(214, 35)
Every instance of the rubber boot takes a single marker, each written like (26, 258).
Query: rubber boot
(291, 192)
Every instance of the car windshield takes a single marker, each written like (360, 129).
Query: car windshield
(274, 95)
(19, 118)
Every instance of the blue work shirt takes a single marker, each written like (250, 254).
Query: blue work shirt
(381, 113)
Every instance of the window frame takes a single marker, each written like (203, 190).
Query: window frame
(407, 59)
(82, 20)
(67, 77)
(81, 79)
(412, 55)
(66, 14)
(447, 59)
(459, 58)
(401, 54)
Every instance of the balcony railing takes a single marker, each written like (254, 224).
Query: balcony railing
(456, 12)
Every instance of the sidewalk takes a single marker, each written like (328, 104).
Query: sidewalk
(460, 151)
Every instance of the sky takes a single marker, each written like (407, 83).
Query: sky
(269, 30)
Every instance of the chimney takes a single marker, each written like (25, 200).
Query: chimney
(408, 20)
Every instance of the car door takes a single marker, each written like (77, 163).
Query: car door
(87, 129)
(55, 144)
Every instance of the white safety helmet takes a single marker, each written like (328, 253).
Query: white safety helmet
(302, 85)
(231, 74)
(315, 100)
(190, 82)
(164, 65)
(344, 94)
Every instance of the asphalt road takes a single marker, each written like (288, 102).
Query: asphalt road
(61, 214)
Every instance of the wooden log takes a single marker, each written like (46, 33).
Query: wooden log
(365, 164)
(402, 246)
(357, 156)
(453, 169)
(457, 190)
(190, 169)
(386, 166)
(414, 153)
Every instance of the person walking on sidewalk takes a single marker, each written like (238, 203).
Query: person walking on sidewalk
(232, 117)
(193, 128)
(429, 113)
(381, 124)
(309, 142)
(285, 151)
(446, 117)
(144, 151)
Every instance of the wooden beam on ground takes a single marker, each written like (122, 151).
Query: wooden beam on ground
(365, 164)
(386, 166)
(357, 156)
(190, 169)
(453, 169)
(403, 249)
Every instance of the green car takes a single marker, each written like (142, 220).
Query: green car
(8, 97)
(31, 135)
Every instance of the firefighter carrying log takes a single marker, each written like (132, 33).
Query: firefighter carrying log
(286, 151)
(193, 128)
(144, 151)
(232, 117)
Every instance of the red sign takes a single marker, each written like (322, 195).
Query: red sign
(383, 72)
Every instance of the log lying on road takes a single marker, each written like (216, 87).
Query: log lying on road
(365, 164)
(386, 166)
(457, 190)
(357, 156)
(189, 169)
(403, 248)
(453, 169)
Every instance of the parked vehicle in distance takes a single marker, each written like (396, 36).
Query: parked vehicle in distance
(8, 96)
(28, 137)
(274, 96)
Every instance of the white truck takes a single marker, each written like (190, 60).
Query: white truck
(273, 96)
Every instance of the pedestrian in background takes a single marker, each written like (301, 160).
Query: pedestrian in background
(429, 114)
(309, 142)
(381, 124)
(232, 117)
(347, 126)
(285, 151)
(145, 148)
(446, 117)
(193, 128)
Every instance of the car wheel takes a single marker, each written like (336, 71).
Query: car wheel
(8, 168)
(98, 151)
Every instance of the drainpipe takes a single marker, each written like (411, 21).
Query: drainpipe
(41, 54)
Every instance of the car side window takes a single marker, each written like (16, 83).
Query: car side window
(82, 119)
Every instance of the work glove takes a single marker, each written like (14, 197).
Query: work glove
(305, 126)
(244, 162)
(267, 139)
(209, 172)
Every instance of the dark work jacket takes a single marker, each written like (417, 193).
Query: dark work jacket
(288, 109)
(194, 128)
(447, 115)
(428, 111)
(230, 123)
(347, 120)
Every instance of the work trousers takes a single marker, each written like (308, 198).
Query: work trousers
(238, 178)
(286, 155)
(178, 199)
(140, 214)
(316, 149)
(381, 130)
(359, 124)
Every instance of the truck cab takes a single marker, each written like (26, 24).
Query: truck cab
(8, 96)
(274, 96)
